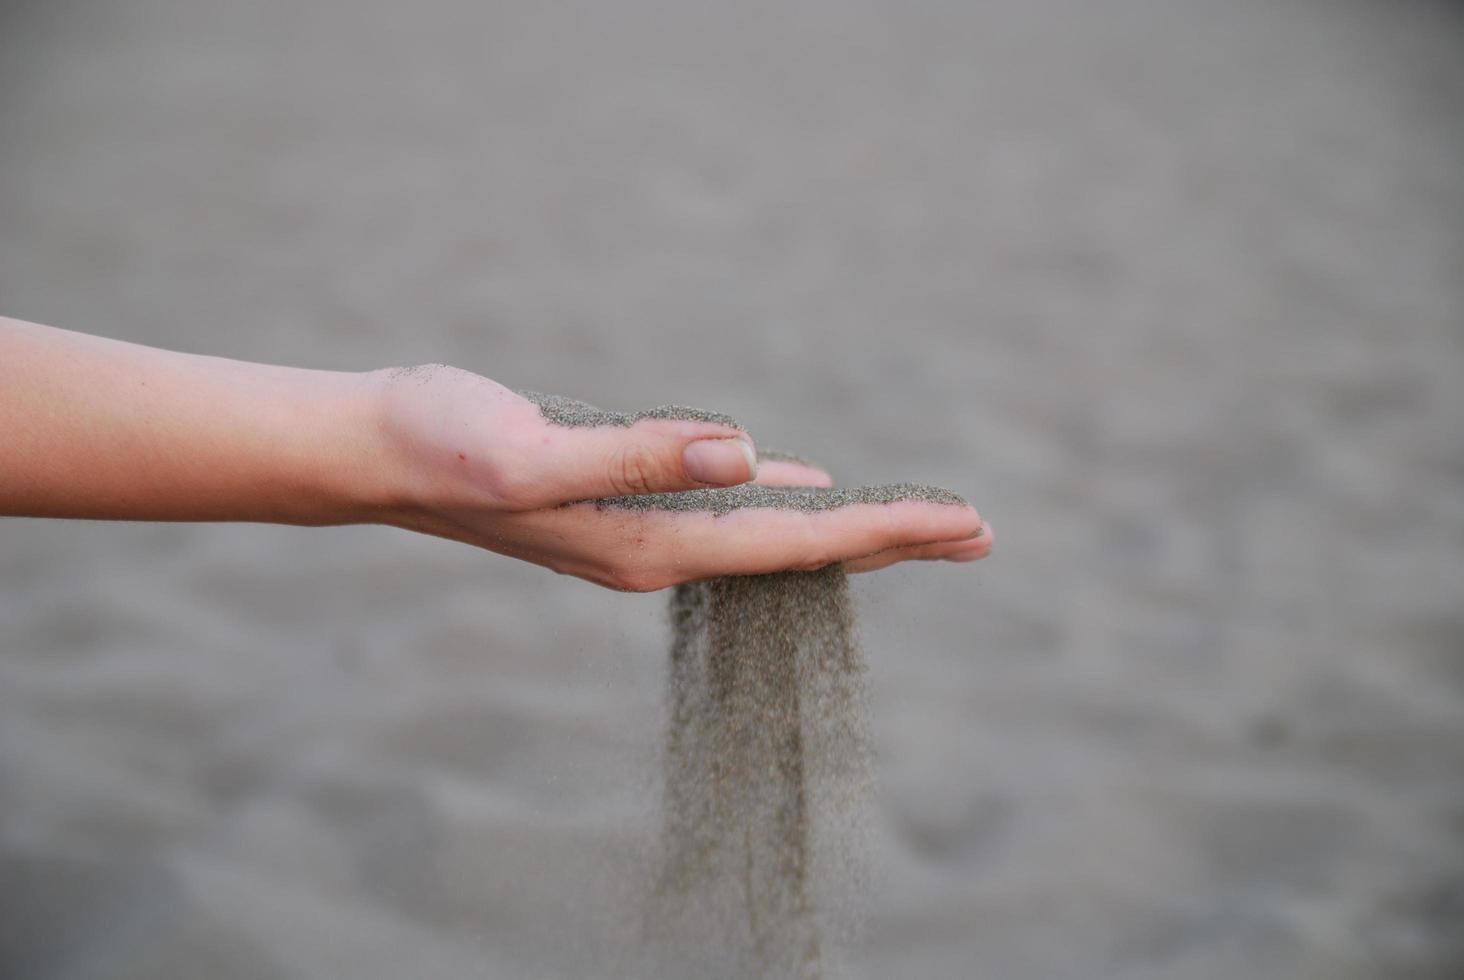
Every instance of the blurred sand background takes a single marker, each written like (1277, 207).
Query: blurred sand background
(1173, 290)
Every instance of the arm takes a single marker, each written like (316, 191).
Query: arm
(94, 428)
(97, 428)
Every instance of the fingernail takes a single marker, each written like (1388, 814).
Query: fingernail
(986, 533)
(720, 462)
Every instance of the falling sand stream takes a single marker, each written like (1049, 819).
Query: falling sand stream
(768, 765)
(766, 769)
(763, 853)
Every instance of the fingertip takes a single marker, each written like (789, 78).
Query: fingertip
(935, 523)
(975, 548)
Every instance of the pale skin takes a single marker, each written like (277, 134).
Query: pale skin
(98, 428)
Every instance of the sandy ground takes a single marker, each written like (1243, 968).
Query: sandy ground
(1171, 289)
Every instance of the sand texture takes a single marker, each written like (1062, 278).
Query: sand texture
(1169, 289)
(808, 499)
(572, 412)
(767, 778)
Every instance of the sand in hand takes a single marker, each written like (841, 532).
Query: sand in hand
(768, 763)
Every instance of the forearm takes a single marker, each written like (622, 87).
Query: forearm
(96, 428)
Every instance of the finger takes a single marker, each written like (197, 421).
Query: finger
(776, 469)
(558, 464)
(656, 457)
(750, 542)
(965, 550)
(644, 550)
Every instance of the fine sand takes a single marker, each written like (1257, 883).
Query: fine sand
(1168, 288)
(767, 780)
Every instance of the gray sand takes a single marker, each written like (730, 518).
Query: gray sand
(767, 776)
(767, 748)
(572, 413)
(751, 495)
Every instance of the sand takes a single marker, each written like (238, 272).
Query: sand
(768, 777)
(809, 499)
(571, 412)
(767, 753)
(1170, 287)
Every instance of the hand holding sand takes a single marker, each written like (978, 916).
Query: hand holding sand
(94, 428)
(625, 500)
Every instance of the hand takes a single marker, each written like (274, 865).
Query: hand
(479, 463)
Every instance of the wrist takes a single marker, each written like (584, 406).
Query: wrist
(431, 444)
(367, 480)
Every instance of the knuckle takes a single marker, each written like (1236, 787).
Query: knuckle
(813, 564)
(814, 551)
(514, 492)
(634, 469)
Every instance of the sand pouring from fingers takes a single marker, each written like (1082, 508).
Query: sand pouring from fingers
(768, 764)
(768, 776)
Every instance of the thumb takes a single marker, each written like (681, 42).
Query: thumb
(655, 456)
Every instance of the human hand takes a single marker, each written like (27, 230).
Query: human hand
(479, 463)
